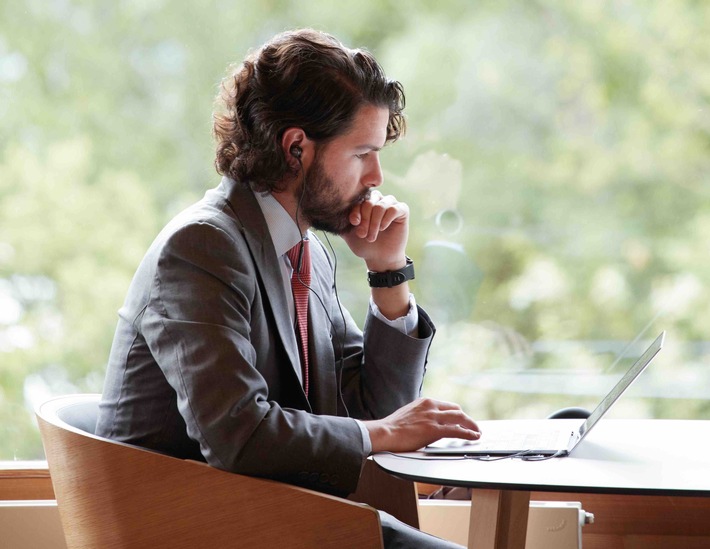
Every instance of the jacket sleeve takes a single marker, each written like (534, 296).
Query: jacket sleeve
(382, 368)
(386, 370)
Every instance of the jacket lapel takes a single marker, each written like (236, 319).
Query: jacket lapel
(256, 234)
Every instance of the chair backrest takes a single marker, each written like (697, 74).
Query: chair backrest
(115, 495)
(79, 411)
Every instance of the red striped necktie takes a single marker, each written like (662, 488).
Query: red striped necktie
(300, 258)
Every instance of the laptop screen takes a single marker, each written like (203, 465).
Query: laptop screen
(622, 385)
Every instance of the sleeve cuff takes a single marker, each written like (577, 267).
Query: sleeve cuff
(408, 324)
(366, 442)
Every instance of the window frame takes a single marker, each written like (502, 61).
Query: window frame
(25, 480)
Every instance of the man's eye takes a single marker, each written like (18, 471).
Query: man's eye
(361, 156)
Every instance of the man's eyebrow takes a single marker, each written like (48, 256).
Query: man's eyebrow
(370, 147)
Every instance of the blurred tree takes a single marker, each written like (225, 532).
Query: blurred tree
(560, 149)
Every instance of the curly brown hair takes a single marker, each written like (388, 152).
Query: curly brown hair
(303, 78)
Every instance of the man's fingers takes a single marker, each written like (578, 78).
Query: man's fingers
(438, 404)
(449, 417)
(377, 214)
(457, 420)
(459, 431)
(360, 214)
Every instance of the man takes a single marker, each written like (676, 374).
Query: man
(214, 358)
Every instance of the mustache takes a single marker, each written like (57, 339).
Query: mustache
(363, 197)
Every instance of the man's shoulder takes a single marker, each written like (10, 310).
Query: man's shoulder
(213, 210)
(205, 226)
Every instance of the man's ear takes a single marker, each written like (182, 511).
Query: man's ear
(296, 147)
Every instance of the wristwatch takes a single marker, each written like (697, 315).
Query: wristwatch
(391, 278)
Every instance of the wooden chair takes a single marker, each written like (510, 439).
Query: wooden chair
(115, 495)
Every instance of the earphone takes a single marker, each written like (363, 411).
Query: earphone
(296, 152)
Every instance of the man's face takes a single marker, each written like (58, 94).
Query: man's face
(344, 172)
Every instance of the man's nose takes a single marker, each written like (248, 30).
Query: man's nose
(374, 177)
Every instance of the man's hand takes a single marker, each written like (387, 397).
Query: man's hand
(380, 232)
(420, 423)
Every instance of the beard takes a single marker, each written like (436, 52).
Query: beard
(321, 204)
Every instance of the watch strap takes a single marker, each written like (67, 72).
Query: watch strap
(388, 279)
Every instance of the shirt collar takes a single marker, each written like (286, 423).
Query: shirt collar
(284, 232)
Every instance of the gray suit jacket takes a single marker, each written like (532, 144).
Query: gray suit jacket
(202, 362)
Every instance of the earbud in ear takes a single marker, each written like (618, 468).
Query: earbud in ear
(296, 152)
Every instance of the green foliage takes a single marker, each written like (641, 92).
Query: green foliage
(556, 166)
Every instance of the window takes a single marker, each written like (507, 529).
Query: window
(556, 166)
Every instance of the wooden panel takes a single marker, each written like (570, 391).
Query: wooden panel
(25, 483)
(424, 489)
(667, 542)
(602, 541)
(640, 515)
(640, 522)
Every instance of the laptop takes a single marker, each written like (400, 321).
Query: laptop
(556, 437)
